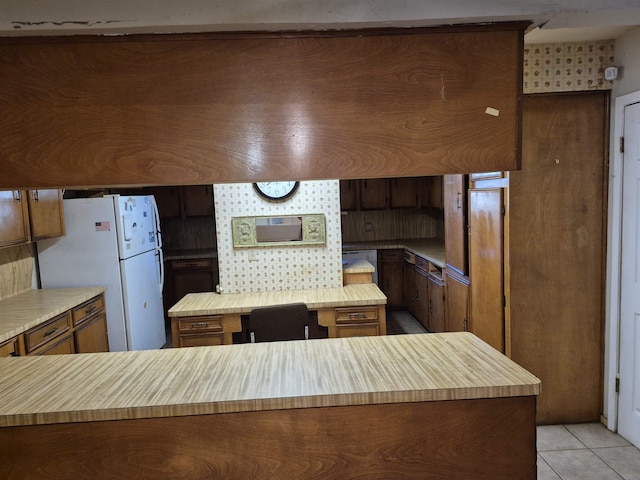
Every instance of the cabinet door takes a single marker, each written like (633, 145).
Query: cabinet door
(374, 194)
(14, 218)
(46, 214)
(402, 193)
(456, 303)
(198, 200)
(390, 275)
(91, 335)
(455, 223)
(486, 266)
(191, 276)
(422, 299)
(348, 195)
(436, 192)
(168, 201)
(62, 346)
(409, 288)
(436, 305)
(9, 348)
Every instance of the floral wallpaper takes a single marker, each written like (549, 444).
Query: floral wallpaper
(567, 67)
(271, 268)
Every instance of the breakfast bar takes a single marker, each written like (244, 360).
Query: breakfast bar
(432, 406)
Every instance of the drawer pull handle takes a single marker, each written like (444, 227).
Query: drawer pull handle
(48, 333)
(357, 315)
(90, 310)
(200, 325)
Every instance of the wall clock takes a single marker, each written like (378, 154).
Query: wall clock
(276, 191)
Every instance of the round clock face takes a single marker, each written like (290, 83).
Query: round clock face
(276, 190)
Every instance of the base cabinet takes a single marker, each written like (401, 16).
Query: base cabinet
(436, 304)
(390, 275)
(357, 322)
(456, 302)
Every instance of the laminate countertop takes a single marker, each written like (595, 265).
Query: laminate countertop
(253, 377)
(209, 303)
(431, 249)
(29, 309)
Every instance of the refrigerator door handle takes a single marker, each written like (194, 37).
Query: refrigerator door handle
(161, 265)
(156, 213)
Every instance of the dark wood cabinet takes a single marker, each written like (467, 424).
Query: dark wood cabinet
(183, 201)
(455, 223)
(390, 275)
(348, 195)
(374, 194)
(402, 193)
(429, 192)
(456, 295)
(436, 304)
(193, 275)
(421, 308)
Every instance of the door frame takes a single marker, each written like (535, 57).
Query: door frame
(614, 257)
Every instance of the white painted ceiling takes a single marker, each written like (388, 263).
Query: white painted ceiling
(552, 21)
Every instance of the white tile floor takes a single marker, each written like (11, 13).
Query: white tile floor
(584, 452)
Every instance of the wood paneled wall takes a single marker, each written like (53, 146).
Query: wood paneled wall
(194, 109)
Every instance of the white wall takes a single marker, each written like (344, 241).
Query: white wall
(627, 56)
(262, 269)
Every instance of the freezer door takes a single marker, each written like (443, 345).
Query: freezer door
(144, 312)
(136, 221)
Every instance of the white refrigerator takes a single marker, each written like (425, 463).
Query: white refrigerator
(113, 241)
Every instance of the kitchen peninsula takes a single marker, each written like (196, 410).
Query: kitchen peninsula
(407, 406)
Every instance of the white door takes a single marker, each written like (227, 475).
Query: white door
(629, 397)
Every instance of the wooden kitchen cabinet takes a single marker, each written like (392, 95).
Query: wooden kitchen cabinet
(374, 194)
(429, 192)
(192, 276)
(390, 275)
(421, 285)
(30, 215)
(349, 195)
(486, 266)
(456, 295)
(455, 223)
(183, 201)
(201, 331)
(50, 337)
(357, 322)
(402, 193)
(436, 304)
(90, 326)
(46, 213)
(10, 348)
(14, 217)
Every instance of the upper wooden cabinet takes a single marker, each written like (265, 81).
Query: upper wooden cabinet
(402, 193)
(185, 109)
(184, 201)
(30, 215)
(455, 223)
(46, 214)
(374, 194)
(14, 217)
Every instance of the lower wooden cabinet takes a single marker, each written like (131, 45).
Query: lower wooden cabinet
(198, 331)
(436, 304)
(390, 275)
(83, 329)
(456, 302)
(357, 322)
(10, 348)
(192, 276)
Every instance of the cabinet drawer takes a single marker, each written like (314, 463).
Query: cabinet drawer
(61, 346)
(358, 330)
(84, 311)
(211, 323)
(9, 348)
(391, 255)
(205, 263)
(422, 265)
(202, 340)
(41, 334)
(356, 315)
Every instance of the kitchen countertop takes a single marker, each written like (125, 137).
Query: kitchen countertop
(29, 309)
(431, 249)
(252, 377)
(209, 303)
(356, 265)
